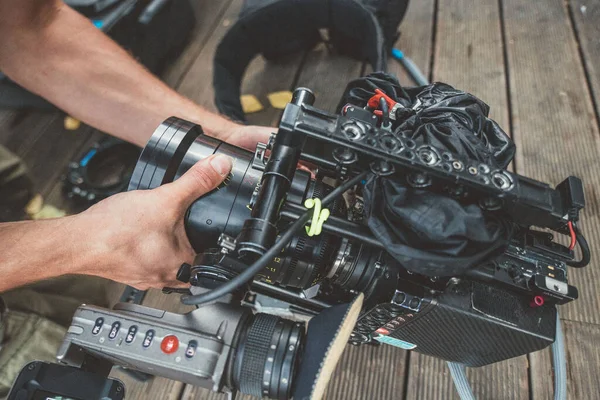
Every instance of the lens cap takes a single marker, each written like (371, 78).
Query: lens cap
(327, 336)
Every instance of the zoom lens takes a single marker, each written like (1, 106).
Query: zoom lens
(267, 356)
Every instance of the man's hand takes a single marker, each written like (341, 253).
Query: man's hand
(139, 238)
(247, 136)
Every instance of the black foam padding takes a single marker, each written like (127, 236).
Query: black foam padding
(283, 27)
(256, 349)
(322, 332)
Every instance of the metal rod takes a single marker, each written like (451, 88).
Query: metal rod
(336, 226)
(318, 161)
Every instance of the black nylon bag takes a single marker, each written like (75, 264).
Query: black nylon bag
(431, 233)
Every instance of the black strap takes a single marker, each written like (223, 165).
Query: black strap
(283, 27)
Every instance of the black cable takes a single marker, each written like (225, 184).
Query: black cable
(262, 262)
(585, 249)
(385, 110)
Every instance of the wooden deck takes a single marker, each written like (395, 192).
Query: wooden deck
(536, 63)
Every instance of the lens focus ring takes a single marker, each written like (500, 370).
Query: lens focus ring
(269, 357)
(255, 354)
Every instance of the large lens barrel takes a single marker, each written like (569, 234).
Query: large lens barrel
(177, 145)
(267, 356)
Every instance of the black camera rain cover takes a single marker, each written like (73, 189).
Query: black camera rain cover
(430, 233)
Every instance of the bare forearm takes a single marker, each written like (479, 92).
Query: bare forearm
(35, 250)
(76, 67)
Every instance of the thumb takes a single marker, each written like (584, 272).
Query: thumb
(201, 178)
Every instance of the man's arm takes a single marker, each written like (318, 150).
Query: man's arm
(50, 49)
(137, 238)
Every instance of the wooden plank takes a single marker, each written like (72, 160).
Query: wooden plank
(468, 53)
(207, 14)
(326, 74)
(541, 375)
(6, 120)
(583, 364)
(365, 372)
(260, 79)
(416, 39)
(553, 122)
(198, 393)
(48, 157)
(586, 15)
(197, 82)
(429, 378)
(23, 133)
(368, 372)
(45, 146)
(264, 77)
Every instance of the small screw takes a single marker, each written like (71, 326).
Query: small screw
(457, 165)
(119, 389)
(473, 170)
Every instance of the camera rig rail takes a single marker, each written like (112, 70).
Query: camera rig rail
(359, 142)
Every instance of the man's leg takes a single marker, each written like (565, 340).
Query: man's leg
(38, 316)
(27, 337)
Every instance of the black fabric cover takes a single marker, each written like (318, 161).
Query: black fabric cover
(430, 233)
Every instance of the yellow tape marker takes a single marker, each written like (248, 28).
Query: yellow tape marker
(279, 100)
(250, 104)
(318, 218)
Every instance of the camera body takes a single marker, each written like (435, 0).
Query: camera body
(220, 347)
(280, 245)
(503, 308)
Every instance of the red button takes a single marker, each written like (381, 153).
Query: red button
(383, 331)
(169, 344)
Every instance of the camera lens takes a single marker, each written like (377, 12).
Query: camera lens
(267, 356)
(177, 145)
(353, 267)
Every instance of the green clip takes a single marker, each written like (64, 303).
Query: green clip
(318, 218)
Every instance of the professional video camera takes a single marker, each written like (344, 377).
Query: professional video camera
(406, 201)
